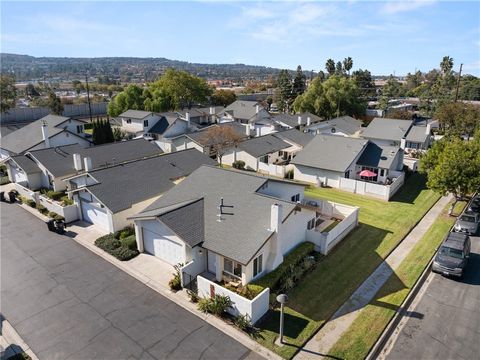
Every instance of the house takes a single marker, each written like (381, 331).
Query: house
(297, 121)
(135, 122)
(350, 163)
(251, 113)
(342, 126)
(169, 125)
(202, 116)
(199, 139)
(396, 132)
(229, 225)
(58, 163)
(49, 131)
(107, 197)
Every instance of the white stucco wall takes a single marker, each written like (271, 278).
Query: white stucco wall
(316, 176)
(233, 155)
(179, 127)
(120, 219)
(282, 190)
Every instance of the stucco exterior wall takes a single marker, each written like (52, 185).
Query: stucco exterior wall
(120, 219)
(317, 176)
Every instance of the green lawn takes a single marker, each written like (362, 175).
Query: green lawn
(382, 226)
(357, 341)
(459, 207)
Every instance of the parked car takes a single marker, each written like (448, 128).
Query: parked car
(467, 222)
(474, 205)
(452, 256)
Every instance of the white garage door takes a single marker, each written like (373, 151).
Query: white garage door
(95, 215)
(163, 248)
(19, 176)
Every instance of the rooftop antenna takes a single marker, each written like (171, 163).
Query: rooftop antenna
(221, 212)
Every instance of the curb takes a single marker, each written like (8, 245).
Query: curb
(14, 340)
(177, 298)
(389, 253)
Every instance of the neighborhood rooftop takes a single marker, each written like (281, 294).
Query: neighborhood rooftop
(388, 129)
(418, 134)
(26, 164)
(242, 109)
(135, 114)
(378, 156)
(59, 160)
(295, 136)
(330, 152)
(122, 185)
(201, 138)
(243, 229)
(263, 145)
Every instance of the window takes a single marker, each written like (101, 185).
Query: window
(231, 267)
(145, 123)
(264, 159)
(311, 224)
(258, 265)
(79, 129)
(296, 198)
(347, 174)
(382, 172)
(129, 121)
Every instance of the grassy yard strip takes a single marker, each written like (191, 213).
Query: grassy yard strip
(316, 298)
(357, 341)
(459, 207)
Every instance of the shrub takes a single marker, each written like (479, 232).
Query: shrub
(52, 214)
(107, 243)
(126, 232)
(30, 203)
(243, 322)
(239, 164)
(54, 195)
(175, 283)
(129, 242)
(294, 258)
(22, 199)
(59, 218)
(123, 253)
(204, 305)
(66, 201)
(217, 305)
(4, 180)
(249, 291)
(193, 295)
(42, 209)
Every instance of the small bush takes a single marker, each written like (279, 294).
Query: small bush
(66, 201)
(30, 203)
(243, 322)
(59, 218)
(123, 253)
(126, 232)
(52, 214)
(239, 164)
(4, 180)
(22, 199)
(217, 305)
(175, 283)
(130, 242)
(116, 248)
(204, 305)
(53, 195)
(193, 295)
(42, 209)
(108, 243)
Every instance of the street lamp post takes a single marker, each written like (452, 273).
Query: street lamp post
(282, 299)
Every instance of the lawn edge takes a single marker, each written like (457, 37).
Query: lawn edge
(387, 255)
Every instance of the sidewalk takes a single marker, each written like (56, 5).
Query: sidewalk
(11, 343)
(155, 274)
(323, 341)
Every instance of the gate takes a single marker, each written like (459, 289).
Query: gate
(188, 281)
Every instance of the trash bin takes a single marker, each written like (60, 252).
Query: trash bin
(51, 225)
(60, 226)
(2, 196)
(12, 197)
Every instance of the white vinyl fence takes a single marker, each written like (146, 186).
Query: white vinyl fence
(255, 308)
(384, 192)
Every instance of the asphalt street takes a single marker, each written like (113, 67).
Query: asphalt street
(446, 322)
(68, 303)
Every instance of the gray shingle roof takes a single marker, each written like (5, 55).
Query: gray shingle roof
(161, 125)
(295, 136)
(417, 134)
(126, 184)
(387, 129)
(378, 156)
(30, 135)
(135, 114)
(263, 145)
(59, 160)
(330, 152)
(238, 236)
(244, 110)
(292, 120)
(345, 124)
(26, 164)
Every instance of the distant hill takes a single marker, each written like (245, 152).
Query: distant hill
(125, 69)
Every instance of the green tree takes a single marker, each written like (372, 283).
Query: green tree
(392, 89)
(446, 65)
(457, 118)
(299, 82)
(8, 92)
(30, 91)
(223, 97)
(469, 88)
(339, 69)
(365, 84)
(336, 96)
(321, 75)
(283, 95)
(348, 64)
(131, 98)
(54, 104)
(452, 166)
(330, 67)
(102, 132)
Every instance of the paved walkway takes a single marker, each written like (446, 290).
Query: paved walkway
(11, 343)
(323, 341)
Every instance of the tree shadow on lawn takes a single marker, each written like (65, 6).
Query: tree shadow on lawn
(294, 325)
(411, 189)
(321, 294)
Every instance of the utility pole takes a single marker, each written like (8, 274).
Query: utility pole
(458, 82)
(88, 98)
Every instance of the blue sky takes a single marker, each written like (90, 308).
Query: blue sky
(381, 36)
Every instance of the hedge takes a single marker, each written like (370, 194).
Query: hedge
(123, 250)
(272, 279)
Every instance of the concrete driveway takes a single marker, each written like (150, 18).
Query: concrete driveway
(446, 321)
(68, 303)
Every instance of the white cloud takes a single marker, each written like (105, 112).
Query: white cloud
(395, 6)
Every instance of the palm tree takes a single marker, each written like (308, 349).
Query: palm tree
(348, 64)
(330, 67)
(446, 65)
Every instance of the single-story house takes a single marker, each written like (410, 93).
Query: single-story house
(58, 163)
(49, 131)
(328, 159)
(229, 225)
(108, 197)
(342, 126)
(135, 122)
(396, 132)
(199, 139)
(297, 121)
